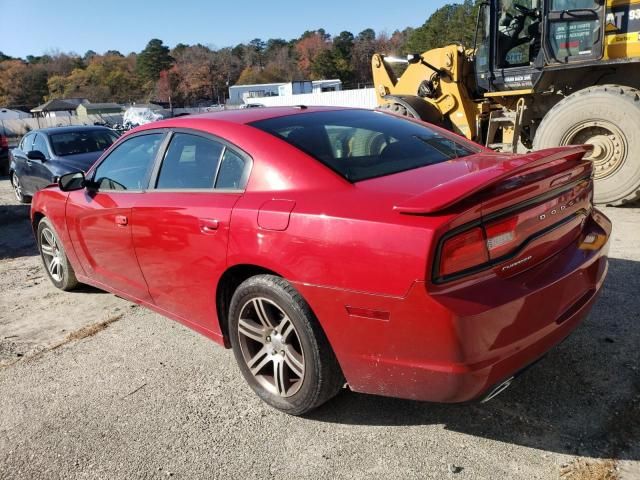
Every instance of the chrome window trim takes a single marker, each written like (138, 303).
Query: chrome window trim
(210, 136)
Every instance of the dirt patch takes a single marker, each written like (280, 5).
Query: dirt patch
(84, 332)
(188, 411)
(88, 331)
(590, 470)
(34, 316)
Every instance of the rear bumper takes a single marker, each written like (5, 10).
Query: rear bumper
(4, 161)
(458, 343)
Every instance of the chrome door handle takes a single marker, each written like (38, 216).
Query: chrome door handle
(122, 220)
(209, 225)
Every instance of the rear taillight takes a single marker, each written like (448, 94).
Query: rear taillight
(502, 236)
(463, 251)
(494, 241)
(4, 143)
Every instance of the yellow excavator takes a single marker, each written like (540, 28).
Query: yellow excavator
(542, 73)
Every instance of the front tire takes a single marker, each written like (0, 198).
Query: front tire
(608, 117)
(54, 258)
(280, 348)
(396, 109)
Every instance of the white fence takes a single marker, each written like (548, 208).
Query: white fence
(362, 98)
(15, 128)
(18, 127)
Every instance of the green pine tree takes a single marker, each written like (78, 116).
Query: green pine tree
(452, 23)
(153, 59)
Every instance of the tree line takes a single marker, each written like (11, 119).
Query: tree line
(199, 74)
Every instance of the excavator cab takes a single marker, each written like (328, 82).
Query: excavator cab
(516, 40)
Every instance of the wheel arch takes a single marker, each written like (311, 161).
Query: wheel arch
(227, 285)
(35, 220)
(231, 279)
(418, 108)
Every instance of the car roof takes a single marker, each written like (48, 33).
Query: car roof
(240, 116)
(248, 115)
(71, 128)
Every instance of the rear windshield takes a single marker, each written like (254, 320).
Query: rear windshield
(72, 143)
(364, 144)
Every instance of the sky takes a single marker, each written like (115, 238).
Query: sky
(33, 27)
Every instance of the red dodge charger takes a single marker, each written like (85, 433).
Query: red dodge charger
(330, 246)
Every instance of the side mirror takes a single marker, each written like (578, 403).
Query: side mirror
(71, 181)
(36, 155)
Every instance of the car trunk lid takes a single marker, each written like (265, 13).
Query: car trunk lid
(530, 207)
(500, 173)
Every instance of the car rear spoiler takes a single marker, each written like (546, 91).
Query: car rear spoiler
(454, 191)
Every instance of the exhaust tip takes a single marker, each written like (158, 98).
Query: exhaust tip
(498, 390)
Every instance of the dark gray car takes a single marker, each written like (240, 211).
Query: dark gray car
(43, 155)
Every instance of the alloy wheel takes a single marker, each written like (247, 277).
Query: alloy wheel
(51, 254)
(271, 347)
(17, 187)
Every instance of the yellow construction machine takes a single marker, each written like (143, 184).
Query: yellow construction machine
(542, 73)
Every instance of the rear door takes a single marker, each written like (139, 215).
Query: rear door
(574, 31)
(99, 218)
(181, 225)
(20, 159)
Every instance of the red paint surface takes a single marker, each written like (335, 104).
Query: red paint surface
(348, 248)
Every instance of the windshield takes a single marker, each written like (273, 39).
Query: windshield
(363, 144)
(72, 143)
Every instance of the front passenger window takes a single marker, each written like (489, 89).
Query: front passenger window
(27, 143)
(128, 165)
(40, 145)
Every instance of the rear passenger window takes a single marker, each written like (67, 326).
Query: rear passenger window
(231, 175)
(191, 162)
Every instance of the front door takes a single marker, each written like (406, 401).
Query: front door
(181, 225)
(39, 174)
(99, 218)
(574, 30)
(516, 44)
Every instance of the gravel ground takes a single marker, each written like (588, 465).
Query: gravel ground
(92, 386)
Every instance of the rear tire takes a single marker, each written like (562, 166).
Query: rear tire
(280, 348)
(18, 190)
(608, 117)
(54, 258)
